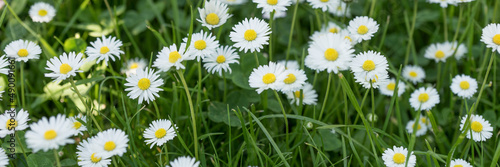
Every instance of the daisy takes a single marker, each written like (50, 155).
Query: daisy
(424, 120)
(421, 128)
(219, 62)
(415, 74)
(214, 14)
(160, 132)
(332, 27)
(370, 69)
(233, 2)
(353, 40)
(295, 80)
(104, 49)
(184, 162)
(250, 34)
(172, 57)
(133, 65)
(491, 36)
(272, 5)
(444, 3)
(424, 98)
(144, 85)
(50, 133)
(439, 51)
(202, 44)
(267, 77)
(387, 88)
(396, 157)
(23, 50)
(277, 14)
(480, 129)
(290, 64)
(77, 125)
(64, 66)
(42, 12)
(362, 28)
(324, 5)
(330, 52)
(4, 65)
(464, 86)
(4, 160)
(111, 142)
(459, 163)
(11, 124)
(309, 95)
(87, 155)
(340, 9)
(461, 50)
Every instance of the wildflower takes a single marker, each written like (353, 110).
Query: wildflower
(42, 12)
(464, 86)
(111, 142)
(202, 44)
(267, 77)
(415, 74)
(214, 14)
(309, 95)
(160, 132)
(104, 49)
(144, 85)
(77, 125)
(295, 80)
(424, 98)
(362, 28)
(50, 133)
(87, 154)
(219, 61)
(480, 129)
(396, 157)
(184, 161)
(12, 124)
(172, 57)
(250, 34)
(133, 65)
(370, 69)
(387, 88)
(330, 52)
(64, 66)
(23, 50)
(459, 163)
(491, 36)
(272, 5)
(421, 128)
(439, 51)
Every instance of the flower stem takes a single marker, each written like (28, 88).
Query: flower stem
(225, 87)
(89, 112)
(445, 24)
(284, 115)
(57, 158)
(21, 145)
(193, 118)
(326, 96)
(23, 102)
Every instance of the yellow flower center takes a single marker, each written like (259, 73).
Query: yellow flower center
(413, 74)
(439, 54)
(424, 120)
(496, 39)
(77, 125)
(399, 158)
(50, 134)
(94, 159)
(391, 86)
(109, 146)
(200, 44)
(349, 38)
(331, 54)
(144, 83)
(297, 94)
(423, 97)
(22, 53)
(334, 30)
(221, 59)
(250, 35)
(368, 65)
(42, 12)
(476, 126)
(104, 50)
(160, 133)
(324, 0)
(269, 78)
(291, 79)
(362, 29)
(418, 126)
(458, 166)
(134, 66)
(65, 68)
(173, 56)
(464, 85)
(10, 124)
(212, 19)
(272, 2)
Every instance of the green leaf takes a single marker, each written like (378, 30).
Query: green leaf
(10, 139)
(217, 112)
(40, 160)
(327, 140)
(75, 45)
(491, 117)
(68, 162)
(273, 105)
(240, 80)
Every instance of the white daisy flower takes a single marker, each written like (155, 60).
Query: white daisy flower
(290, 64)
(491, 36)
(160, 132)
(184, 162)
(22, 50)
(172, 57)
(340, 9)
(444, 3)
(77, 125)
(424, 120)
(353, 40)
(324, 5)
(87, 155)
(396, 157)
(464, 86)
(421, 128)
(330, 52)
(461, 50)
(277, 14)
(309, 95)
(250, 34)
(4, 65)
(233, 2)
(50, 133)
(387, 88)
(272, 5)
(459, 163)
(64, 66)
(370, 68)
(4, 160)
(362, 28)
(214, 14)
(11, 124)
(42, 12)
(267, 77)
(133, 65)
(480, 128)
(111, 142)
(202, 44)
(295, 80)
(219, 62)
(144, 85)
(439, 51)
(104, 49)
(424, 98)
(415, 74)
